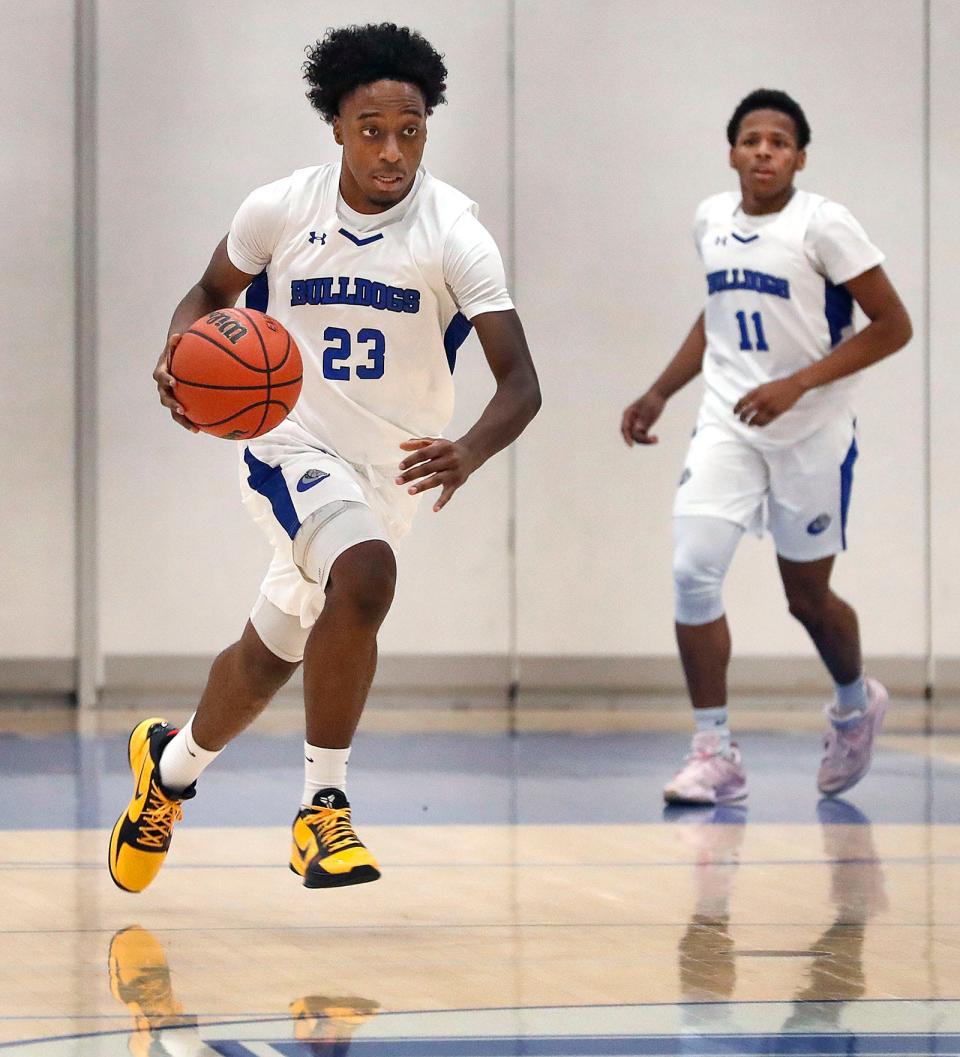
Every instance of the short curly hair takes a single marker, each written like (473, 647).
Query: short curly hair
(770, 99)
(356, 55)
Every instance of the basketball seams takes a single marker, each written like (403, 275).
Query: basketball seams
(223, 348)
(242, 411)
(234, 388)
(266, 401)
(266, 362)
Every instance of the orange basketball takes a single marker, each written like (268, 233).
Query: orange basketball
(238, 373)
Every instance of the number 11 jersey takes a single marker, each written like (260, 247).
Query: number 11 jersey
(776, 302)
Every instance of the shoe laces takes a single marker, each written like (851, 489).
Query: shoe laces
(158, 819)
(838, 743)
(336, 832)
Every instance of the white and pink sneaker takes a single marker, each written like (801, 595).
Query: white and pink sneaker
(849, 743)
(709, 774)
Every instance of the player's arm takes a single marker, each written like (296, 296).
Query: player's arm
(889, 329)
(448, 463)
(684, 367)
(219, 287)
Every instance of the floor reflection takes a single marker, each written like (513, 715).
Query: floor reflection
(707, 954)
(858, 893)
(140, 979)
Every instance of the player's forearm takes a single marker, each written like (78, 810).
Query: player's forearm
(879, 339)
(685, 365)
(510, 411)
(197, 302)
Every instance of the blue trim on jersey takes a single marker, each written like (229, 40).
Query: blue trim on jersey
(740, 238)
(846, 487)
(454, 336)
(357, 241)
(269, 482)
(838, 308)
(258, 293)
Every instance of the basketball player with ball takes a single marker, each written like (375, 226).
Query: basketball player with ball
(378, 271)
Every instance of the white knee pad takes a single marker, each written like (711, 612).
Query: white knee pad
(331, 530)
(702, 552)
(281, 633)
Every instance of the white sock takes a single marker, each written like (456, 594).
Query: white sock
(713, 720)
(850, 698)
(323, 769)
(183, 760)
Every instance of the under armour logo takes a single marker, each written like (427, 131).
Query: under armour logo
(322, 238)
(720, 241)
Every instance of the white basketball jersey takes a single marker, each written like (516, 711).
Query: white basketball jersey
(370, 311)
(776, 303)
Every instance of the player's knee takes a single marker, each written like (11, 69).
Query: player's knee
(698, 588)
(363, 580)
(807, 607)
(274, 641)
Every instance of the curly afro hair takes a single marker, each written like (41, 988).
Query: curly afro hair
(355, 55)
(770, 99)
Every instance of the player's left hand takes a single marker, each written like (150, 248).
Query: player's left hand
(765, 403)
(435, 463)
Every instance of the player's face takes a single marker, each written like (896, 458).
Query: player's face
(766, 157)
(382, 128)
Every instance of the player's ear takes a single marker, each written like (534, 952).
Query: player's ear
(337, 130)
(801, 159)
(732, 162)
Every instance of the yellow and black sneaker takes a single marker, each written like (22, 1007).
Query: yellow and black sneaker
(141, 838)
(140, 979)
(320, 1018)
(326, 852)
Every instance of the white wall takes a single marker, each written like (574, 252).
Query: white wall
(945, 326)
(622, 109)
(620, 112)
(36, 367)
(187, 129)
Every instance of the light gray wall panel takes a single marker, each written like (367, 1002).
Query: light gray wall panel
(36, 368)
(945, 326)
(622, 109)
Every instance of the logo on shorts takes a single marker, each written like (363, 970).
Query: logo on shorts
(310, 478)
(819, 524)
(684, 477)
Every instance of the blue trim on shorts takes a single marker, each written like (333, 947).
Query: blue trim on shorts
(846, 487)
(269, 482)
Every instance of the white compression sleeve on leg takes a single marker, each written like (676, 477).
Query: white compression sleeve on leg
(702, 551)
(328, 532)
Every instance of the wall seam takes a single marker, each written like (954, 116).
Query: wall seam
(927, 352)
(513, 603)
(88, 675)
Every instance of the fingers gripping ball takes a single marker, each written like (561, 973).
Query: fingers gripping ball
(238, 373)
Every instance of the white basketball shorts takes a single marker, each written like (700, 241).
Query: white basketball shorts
(800, 493)
(284, 479)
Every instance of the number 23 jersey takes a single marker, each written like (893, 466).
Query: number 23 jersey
(378, 304)
(776, 303)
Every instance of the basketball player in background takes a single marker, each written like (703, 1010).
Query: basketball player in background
(378, 270)
(778, 352)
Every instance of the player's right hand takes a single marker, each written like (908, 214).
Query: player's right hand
(165, 383)
(639, 417)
